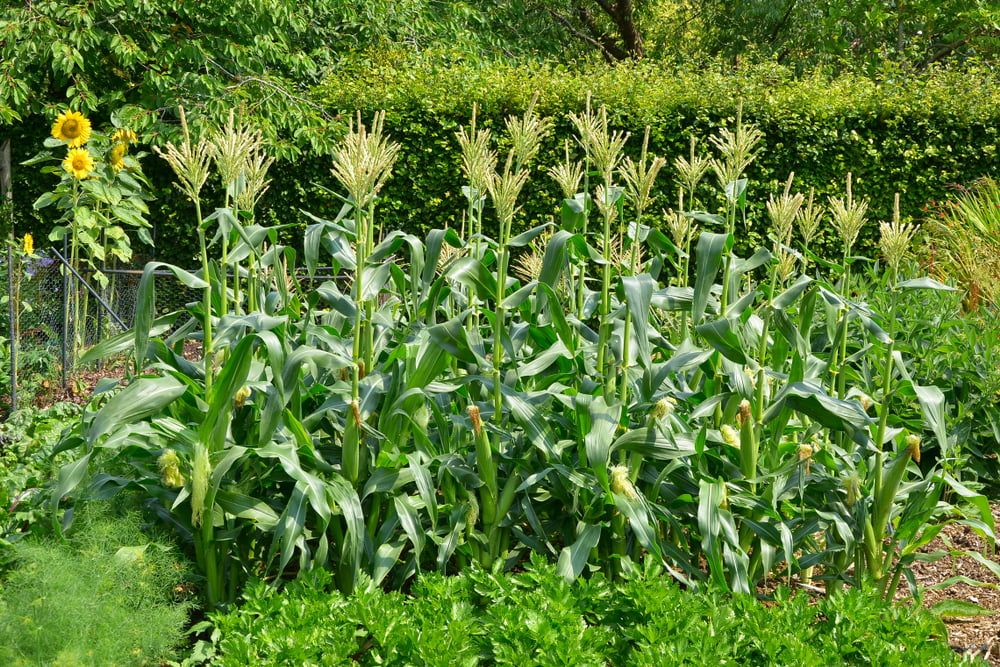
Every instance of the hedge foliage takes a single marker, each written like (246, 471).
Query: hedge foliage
(918, 134)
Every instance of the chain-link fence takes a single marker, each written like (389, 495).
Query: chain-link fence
(53, 314)
(58, 314)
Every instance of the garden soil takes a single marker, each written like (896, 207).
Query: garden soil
(980, 635)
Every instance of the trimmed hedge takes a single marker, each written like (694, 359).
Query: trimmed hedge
(918, 134)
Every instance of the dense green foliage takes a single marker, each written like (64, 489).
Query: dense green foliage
(27, 438)
(107, 597)
(103, 55)
(842, 33)
(959, 352)
(536, 618)
(594, 391)
(915, 133)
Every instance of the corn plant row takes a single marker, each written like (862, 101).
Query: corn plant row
(613, 390)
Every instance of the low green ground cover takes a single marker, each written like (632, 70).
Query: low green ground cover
(107, 595)
(536, 618)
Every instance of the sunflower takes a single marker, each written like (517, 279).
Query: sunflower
(71, 127)
(125, 136)
(117, 157)
(29, 244)
(78, 163)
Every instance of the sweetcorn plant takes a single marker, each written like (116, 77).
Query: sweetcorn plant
(427, 408)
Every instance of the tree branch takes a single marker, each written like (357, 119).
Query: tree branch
(612, 51)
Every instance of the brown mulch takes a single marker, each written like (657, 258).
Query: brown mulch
(979, 635)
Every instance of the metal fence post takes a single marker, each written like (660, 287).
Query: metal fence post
(7, 193)
(65, 331)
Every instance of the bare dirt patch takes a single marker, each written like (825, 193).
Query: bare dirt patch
(980, 635)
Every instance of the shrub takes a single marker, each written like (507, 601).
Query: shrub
(105, 598)
(535, 617)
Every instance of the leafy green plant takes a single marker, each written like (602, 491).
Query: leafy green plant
(426, 408)
(535, 617)
(106, 597)
(27, 438)
(945, 345)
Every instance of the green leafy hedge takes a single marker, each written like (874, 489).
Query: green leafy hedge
(536, 618)
(918, 134)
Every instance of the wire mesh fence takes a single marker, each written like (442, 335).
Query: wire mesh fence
(54, 314)
(59, 313)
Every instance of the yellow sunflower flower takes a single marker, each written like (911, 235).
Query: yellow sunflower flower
(71, 127)
(124, 136)
(117, 157)
(29, 244)
(79, 163)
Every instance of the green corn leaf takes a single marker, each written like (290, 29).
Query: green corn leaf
(640, 522)
(435, 242)
(959, 609)
(925, 283)
(638, 294)
(69, 477)
(573, 558)
(450, 543)
(472, 273)
(811, 400)
(792, 294)
(655, 444)
(245, 507)
(761, 257)
(524, 238)
(143, 398)
(710, 497)
(344, 497)
(721, 335)
(932, 404)
(709, 253)
(145, 303)
(231, 378)
(290, 527)
(121, 342)
(602, 422)
(410, 521)
(980, 502)
(673, 298)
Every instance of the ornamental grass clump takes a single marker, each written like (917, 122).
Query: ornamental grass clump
(963, 242)
(434, 404)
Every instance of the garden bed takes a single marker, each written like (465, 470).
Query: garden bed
(978, 635)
